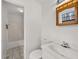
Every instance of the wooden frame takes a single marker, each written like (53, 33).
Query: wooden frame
(64, 7)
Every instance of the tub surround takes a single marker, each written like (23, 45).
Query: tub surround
(15, 44)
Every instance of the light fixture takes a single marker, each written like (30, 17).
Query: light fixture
(20, 10)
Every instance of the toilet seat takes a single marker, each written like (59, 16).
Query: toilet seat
(37, 54)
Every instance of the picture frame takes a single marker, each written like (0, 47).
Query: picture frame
(67, 14)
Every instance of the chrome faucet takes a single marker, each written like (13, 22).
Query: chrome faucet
(65, 44)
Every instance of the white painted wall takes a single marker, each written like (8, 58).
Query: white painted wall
(32, 27)
(51, 32)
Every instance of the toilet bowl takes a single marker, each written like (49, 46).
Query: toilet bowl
(37, 54)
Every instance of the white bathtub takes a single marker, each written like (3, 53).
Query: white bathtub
(56, 51)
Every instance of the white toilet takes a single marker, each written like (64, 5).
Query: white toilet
(37, 54)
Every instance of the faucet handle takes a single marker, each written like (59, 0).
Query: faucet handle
(65, 44)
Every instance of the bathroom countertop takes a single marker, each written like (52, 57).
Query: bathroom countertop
(68, 53)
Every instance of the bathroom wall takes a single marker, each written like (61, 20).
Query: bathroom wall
(32, 27)
(51, 32)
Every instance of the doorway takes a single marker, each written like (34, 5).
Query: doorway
(12, 30)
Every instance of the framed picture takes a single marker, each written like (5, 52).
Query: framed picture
(67, 14)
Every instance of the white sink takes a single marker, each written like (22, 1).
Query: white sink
(67, 53)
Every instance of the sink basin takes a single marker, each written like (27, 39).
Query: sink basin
(67, 53)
